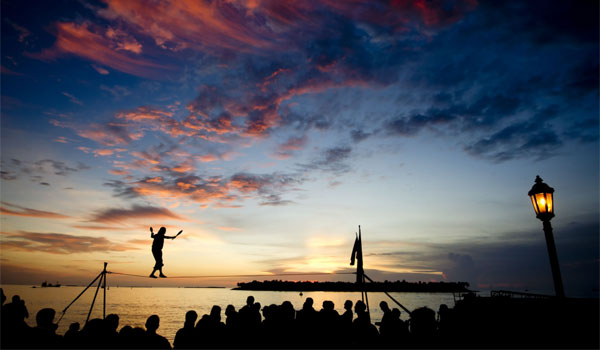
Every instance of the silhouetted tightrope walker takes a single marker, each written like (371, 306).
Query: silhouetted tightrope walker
(157, 245)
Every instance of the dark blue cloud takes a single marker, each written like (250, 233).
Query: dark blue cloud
(497, 77)
(517, 261)
(333, 160)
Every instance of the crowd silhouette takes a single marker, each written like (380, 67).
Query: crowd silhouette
(281, 326)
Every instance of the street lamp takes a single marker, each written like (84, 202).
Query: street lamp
(543, 204)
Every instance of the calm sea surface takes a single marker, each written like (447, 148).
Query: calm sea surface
(134, 305)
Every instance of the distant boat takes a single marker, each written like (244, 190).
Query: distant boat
(46, 284)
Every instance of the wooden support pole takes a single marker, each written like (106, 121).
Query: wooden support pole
(104, 286)
(95, 295)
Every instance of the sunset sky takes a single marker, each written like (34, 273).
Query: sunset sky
(269, 130)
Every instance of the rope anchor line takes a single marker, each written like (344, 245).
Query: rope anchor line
(256, 275)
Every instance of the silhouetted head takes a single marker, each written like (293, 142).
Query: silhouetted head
(112, 322)
(348, 305)
(287, 306)
(94, 328)
(422, 321)
(267, 311)
(443, 308)
(256, 307)
(250, 300)
(360, 307)
(74, 327)
(328, 305)
(162, 231)
(229, 310)
(126, 331)
(3, 296)
(191, 316)
(395, 313)
(44, 319)
(138, 333)
(308, 303)
(384, 306)
(215, 313)
(16, 299)
(203, 321)
(152, 323)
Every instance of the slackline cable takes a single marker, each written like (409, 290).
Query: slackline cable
(223, 276)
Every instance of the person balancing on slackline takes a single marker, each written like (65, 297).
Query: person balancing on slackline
(157, 245)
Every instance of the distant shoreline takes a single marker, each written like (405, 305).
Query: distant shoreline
(397, 286)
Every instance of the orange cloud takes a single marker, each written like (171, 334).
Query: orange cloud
(220, 125)
(28, 212)
(144, 114)
(110, 134)
(157, 179)
(119, 172)
(153, 158)
(83, 41)
(207, 158)
(58, 243)
(97, 227)
(135, 212)
(184, 167)
(103, 152)
(175, 25)
(184, 186)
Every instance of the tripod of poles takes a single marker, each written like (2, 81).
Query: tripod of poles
(101, 278)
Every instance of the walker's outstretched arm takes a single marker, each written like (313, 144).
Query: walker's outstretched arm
(173, 237)
(151, 233)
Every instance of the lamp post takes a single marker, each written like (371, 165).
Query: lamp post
(543, 204)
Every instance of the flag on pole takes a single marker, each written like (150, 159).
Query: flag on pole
(355, 250)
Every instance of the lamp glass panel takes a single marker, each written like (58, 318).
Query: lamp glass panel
(549, 200)
(535, 208)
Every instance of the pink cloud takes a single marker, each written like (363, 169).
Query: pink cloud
(61, 139)
(285, 150)
(294, 143)
(100, 70)
(6, 71)
(73, 98)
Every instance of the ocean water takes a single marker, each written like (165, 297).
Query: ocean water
(134, 305)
